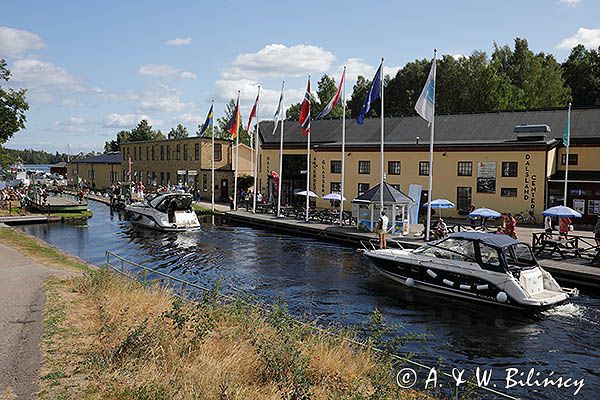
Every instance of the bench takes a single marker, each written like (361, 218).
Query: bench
(561, 246)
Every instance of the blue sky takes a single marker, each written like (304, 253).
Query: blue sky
(94, 68)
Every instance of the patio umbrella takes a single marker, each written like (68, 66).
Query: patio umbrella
(303, 193)
(440, 203)
(561, 211)
(484, 213)
(333, 196)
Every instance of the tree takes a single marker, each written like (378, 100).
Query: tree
(581, 72)
(12, 107)
(245, 182)
(178, 132)
(143, 131)
(327, 88)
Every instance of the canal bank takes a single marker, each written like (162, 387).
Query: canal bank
(333, 284)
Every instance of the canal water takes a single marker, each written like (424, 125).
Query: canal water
(337, 284)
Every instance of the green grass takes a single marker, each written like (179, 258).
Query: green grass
(201, 210)
(38, 250)
(73, 215)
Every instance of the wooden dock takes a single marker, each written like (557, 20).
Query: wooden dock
(57, 204)
(23, 219)
(575, 271)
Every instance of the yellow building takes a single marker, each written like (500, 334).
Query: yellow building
(98, 172)
(180, 161)
(246, 160)
(507, 161)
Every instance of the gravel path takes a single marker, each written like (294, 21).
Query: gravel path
(21, 314)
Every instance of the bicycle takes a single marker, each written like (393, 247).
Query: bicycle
(526, 217)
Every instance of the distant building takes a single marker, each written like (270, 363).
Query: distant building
(480, 159)
(98, 172)
(187, 161)
(59, 168)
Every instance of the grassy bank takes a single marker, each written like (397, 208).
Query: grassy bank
(109, 337)
(200, 210)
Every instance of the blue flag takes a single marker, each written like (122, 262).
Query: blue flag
(373, 94)
(208, 123)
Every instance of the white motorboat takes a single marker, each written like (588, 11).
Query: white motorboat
(164, 212)
(485, 267)
(18, 176)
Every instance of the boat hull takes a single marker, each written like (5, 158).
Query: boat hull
(151, 221)
(446, 281)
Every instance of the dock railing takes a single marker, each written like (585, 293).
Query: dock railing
(192, 292)
(567, 246)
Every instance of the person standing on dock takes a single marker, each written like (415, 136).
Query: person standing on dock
(382, 226)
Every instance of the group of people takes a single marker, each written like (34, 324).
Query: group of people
(564, 226)
(246, 198)
(8, 195)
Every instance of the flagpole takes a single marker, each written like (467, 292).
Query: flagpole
(308, 160)
(382, 139)
(256, 153)
(568, 144)
(282, 116)
(212, 158)
(343, 147)
(430, 188)
(237, 152)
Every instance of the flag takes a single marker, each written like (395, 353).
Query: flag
(334, 101)
(277, 117)
(208, 123)
(252, 113)
(425, 106)
(233, 126)
(566, 136)
(304, 119)
(373, 94)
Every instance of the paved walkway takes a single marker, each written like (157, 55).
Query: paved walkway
(21, 313)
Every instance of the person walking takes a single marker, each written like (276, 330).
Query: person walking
(510, 225)
(564, 226)
(548, 226)
(382, 226)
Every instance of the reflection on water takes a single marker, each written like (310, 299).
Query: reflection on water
(337, 284)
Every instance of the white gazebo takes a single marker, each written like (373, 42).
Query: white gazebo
(366, 208)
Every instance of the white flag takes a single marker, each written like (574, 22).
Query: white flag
(277, 117)
(425, 106)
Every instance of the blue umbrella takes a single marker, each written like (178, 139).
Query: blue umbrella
(484, 213)
(561, 211)
(440, 203)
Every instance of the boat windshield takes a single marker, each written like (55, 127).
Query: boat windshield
(519, 256)
(449, 249)
(174, 203)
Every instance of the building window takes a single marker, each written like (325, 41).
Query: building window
(395, 186)
(362, 188)
(205, 182)
(510, 169)
(573, 159)
(465, 168)
(464, 198)
(508, 192)
(168, 152)
(185, 152)
(152, 153)
(364, 167)
(91, 174)
(162, 152)
(218, 152)
(147, 152)
(178, 152)
(336, 167)
(168, 178)
(423, 168)
(140, 150)
(162, 178)
(128, 154)
(393, 167)
(197, 151)
(135, 153)
(335, 187)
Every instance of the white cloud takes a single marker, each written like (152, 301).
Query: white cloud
(15, 42)
(115, 120)
(36, 73)
(356, 67)
(278, 60)
(165, 71)
(72, 124)
(163, 99)
(458, 56)
(570, 3)
(179, 41)
(590, 38)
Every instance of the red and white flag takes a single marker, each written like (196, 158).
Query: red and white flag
(335, 100)
(252, 113)
(304, 119)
